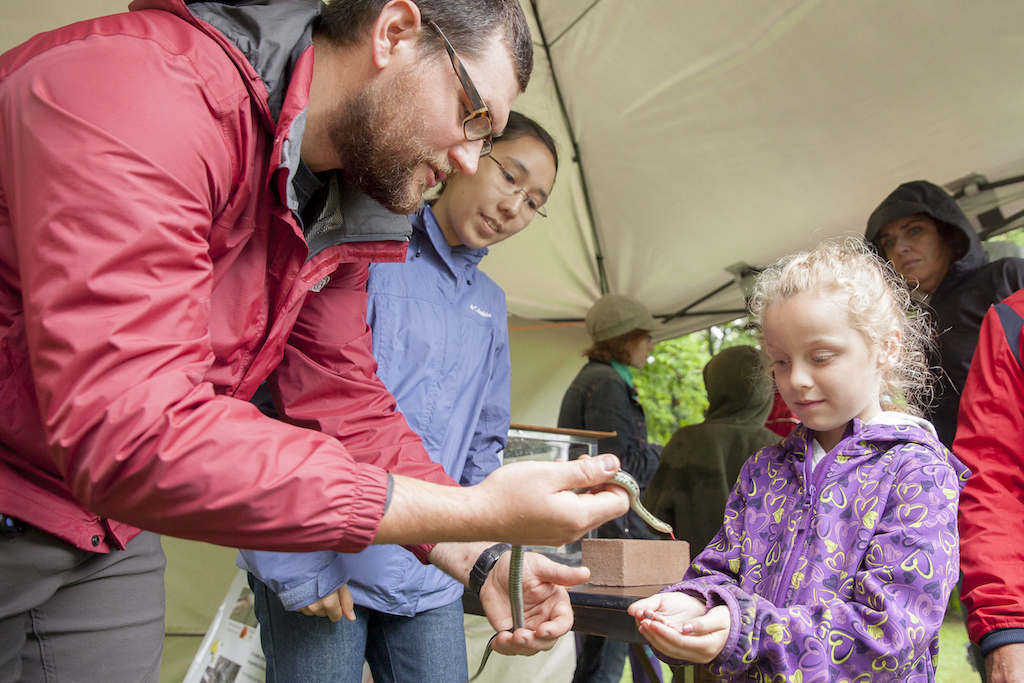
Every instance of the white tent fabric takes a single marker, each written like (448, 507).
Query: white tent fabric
(714, 133)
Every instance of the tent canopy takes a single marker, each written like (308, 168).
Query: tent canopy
(701, 138)
(713, 134)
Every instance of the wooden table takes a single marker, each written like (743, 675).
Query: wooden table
(601, 610)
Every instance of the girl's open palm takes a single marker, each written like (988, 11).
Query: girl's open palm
(676, 625)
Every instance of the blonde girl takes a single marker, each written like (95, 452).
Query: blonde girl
(839, 547)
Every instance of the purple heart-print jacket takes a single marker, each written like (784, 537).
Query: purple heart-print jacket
(840, 573)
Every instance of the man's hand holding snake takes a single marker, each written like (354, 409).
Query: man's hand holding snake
(529, 503)
(537, 503)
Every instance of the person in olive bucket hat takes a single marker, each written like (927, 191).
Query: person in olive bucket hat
(617, 314)
(602, 398)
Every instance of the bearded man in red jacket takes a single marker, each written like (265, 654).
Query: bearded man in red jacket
(190, 194)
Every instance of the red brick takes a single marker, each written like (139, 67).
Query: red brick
(634, 562)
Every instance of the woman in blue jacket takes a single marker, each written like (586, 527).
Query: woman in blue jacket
(440, 337)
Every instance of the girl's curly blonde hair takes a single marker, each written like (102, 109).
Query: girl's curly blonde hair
(879, 304)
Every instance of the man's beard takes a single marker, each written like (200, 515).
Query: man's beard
(375, 138)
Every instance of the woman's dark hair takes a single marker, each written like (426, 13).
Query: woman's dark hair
(616, 348)
(469, 25)
(519, 126)
(522, 126)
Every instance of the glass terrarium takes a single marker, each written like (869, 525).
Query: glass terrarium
(527, 442)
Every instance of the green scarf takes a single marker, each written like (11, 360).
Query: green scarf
(624, 371)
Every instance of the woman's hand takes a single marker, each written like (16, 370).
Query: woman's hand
(547, 611)
(333, 606)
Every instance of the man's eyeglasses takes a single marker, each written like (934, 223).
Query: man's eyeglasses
(476, 126)
(513, 186)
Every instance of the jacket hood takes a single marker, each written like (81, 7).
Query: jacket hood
(923, 197)
(900, 428)
(265, 39)
(886, 431)
(739, 391)
(271, 34)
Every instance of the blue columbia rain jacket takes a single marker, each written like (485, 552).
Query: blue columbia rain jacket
(440, 337)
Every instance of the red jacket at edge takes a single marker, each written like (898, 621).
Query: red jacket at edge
(990, 440)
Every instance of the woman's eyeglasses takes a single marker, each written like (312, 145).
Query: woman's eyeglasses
(514, 186)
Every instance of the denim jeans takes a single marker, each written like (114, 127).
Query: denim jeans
(430, 646)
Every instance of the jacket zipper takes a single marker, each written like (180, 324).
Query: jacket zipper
(800, 541)
(797, 550)
(295, 297)
(815, 482)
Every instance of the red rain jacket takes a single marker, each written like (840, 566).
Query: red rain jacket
(152, 276)
(990, 440)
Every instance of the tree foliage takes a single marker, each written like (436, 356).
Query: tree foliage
(671, 386)
(1016, 236)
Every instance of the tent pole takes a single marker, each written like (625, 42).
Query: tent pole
(598, 253)
(685, 310)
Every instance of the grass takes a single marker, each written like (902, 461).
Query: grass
(953, 666)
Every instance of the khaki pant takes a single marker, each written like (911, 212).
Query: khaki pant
(71, 615)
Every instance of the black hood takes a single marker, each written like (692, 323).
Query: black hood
(922, 197)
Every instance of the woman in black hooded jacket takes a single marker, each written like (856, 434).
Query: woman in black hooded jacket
(921, 230)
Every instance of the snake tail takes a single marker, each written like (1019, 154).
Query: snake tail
(515, 572)
(483, 662)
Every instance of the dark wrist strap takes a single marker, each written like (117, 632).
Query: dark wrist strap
(484, 564)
